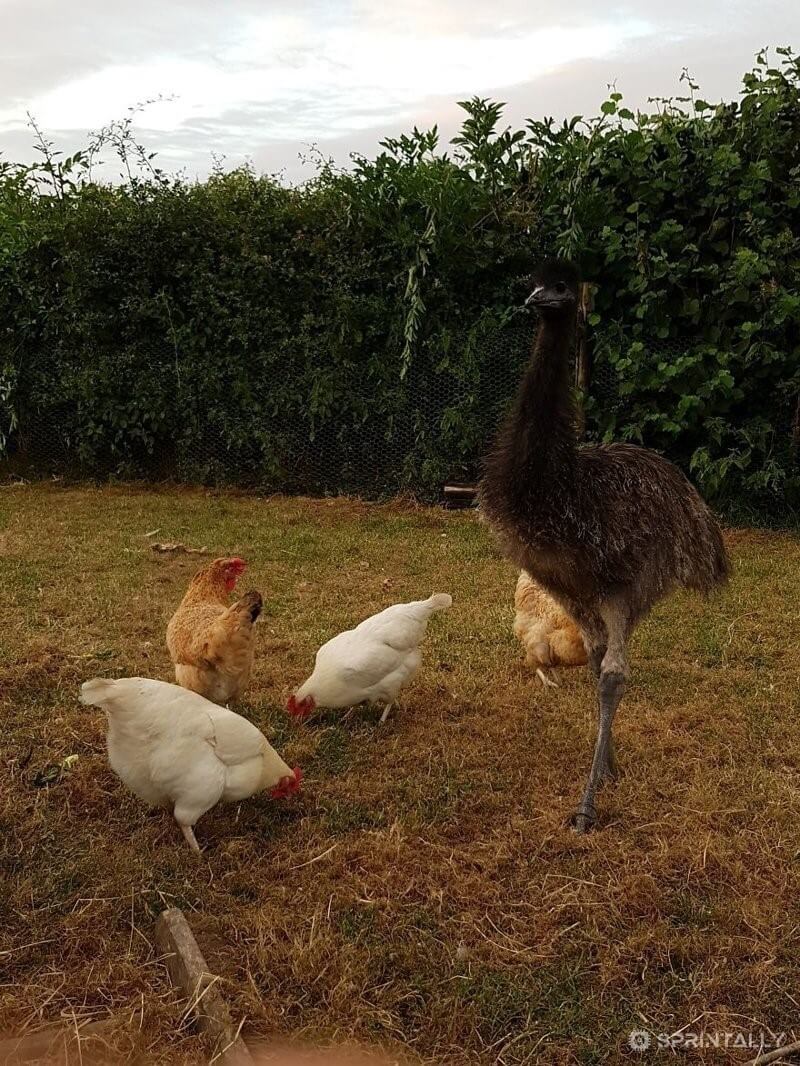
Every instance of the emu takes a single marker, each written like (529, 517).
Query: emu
(607, 530)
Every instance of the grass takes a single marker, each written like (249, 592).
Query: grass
(423, 893)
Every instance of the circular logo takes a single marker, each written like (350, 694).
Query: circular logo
(639, 1040)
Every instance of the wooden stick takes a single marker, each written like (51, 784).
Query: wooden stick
(774, 1056)
(189, 973)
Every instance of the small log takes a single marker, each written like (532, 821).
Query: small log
(189, 973)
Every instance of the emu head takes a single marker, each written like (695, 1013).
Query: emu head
(555, 288)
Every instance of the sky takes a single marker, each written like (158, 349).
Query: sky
(263, 81)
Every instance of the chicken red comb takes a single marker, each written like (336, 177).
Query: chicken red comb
(237, 564)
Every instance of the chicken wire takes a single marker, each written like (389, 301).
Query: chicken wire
(420, 448)
(417, 449)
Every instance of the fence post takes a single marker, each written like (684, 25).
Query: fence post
(583, 355)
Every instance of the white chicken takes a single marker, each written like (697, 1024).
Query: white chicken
(371, 662)
(174, 748)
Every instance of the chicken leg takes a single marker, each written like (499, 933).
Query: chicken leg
(385, 714)
(191, 839)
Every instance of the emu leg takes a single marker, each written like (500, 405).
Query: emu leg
(610, 690)
(595, 639)
(596, 654)
(612, 766)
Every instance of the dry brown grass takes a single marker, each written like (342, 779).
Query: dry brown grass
(424, 892)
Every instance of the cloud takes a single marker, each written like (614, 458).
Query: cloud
(249, 78)
(349, 71)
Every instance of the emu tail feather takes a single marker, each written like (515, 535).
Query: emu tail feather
(721, 564)
(712, 567)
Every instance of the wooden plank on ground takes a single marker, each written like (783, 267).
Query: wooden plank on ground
(189, 973)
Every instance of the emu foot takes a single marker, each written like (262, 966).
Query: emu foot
(584, 819)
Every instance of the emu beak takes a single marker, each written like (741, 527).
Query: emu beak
(534, 294)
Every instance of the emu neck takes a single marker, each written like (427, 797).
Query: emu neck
(537, 445)
(530, 479)
(544, 416)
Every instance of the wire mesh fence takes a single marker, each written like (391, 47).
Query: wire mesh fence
(437, 429)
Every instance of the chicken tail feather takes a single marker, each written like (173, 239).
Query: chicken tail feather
(440, 601)
(94, 693)
(251, 604)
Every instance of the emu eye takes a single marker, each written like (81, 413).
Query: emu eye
(560, 287)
